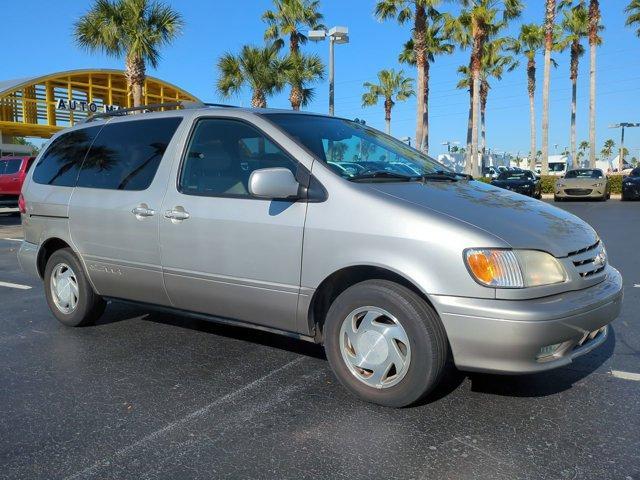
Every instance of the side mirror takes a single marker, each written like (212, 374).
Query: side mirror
(273, 183)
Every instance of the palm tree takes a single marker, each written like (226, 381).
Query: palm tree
(259, 68)
(135, 29)
(529, 43)
(576, 27)
(421, 13)
(436, 43)
(288, 19)
(479, 21)
(549, 25)
(633, 9)
(286, 22)
(393, 87)
(607, 150)
(299, 71)
(582, 148)
(494, 63)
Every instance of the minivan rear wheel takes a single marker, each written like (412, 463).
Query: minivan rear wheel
(385, 343)
(69, 294)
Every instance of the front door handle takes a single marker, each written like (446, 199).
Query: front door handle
(143, 211)
(178, 215)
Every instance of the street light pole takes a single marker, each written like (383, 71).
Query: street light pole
(336, 35)
(331, 77)
(621, 155)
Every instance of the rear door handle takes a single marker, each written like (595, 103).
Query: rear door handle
(143, 211)
(176, 215)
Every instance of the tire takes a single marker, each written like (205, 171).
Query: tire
(556, 198)
(426, 352)
(87, 306)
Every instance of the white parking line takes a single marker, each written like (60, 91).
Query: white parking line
(626, 375)
(637, 285)
(12, 239)
(15, 285)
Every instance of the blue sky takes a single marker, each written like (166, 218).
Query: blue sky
(217, 26)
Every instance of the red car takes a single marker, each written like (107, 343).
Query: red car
(13, 171)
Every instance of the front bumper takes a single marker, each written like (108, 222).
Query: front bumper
(506, 336)
(581, 192)
(631, 191)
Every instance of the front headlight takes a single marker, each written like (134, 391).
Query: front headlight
(513, 268)
(559, 185)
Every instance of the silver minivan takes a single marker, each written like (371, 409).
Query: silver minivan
(320, 228)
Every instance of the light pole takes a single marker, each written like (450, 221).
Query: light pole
(336, 35)
(623, 126)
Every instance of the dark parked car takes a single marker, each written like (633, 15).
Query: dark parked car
(631, 185)
(521, 181)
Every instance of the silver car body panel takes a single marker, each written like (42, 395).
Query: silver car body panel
(261, 262)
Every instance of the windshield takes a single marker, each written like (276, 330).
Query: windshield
(557, 167)
(515, 176)
(635, 172)
(353, 150)
(584, 174)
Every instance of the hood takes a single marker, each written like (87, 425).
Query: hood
(520, 221)
(581, 182)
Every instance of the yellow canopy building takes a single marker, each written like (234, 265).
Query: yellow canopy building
(41, 106)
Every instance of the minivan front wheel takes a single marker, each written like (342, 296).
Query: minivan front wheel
(385, 343)
(69, 294)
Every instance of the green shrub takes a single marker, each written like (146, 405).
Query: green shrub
(615, 183)
(548, 183)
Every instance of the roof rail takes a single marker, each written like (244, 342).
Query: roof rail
(186, 104)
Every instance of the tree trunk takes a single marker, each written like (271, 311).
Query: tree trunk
(258, 100)
(470, 119)
(388, 105)
(476, 56)
(295, 97)
(420, 24)
(594, 22)
(549, 23)
(484, 92)
(531, 75)
(293, 43)
(135, 75)
(575, 49)
(425, 114)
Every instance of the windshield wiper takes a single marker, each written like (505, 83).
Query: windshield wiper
(383, 174)
(440, 175)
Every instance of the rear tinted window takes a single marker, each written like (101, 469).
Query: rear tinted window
(11, 166)
(126, 155)
(61, 161)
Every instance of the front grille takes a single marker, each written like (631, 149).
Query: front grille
(578, 191)
(590, 260)
(582, 250)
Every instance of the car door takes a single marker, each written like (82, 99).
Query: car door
(115, 208)
(225, 253)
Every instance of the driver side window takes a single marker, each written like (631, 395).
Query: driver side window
(222, 154)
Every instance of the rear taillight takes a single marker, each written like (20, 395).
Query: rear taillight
(22, 205)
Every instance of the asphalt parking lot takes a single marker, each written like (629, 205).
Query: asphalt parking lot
(152, 395)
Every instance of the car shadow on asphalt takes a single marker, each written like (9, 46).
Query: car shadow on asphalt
(545, 383)
(535, 385)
